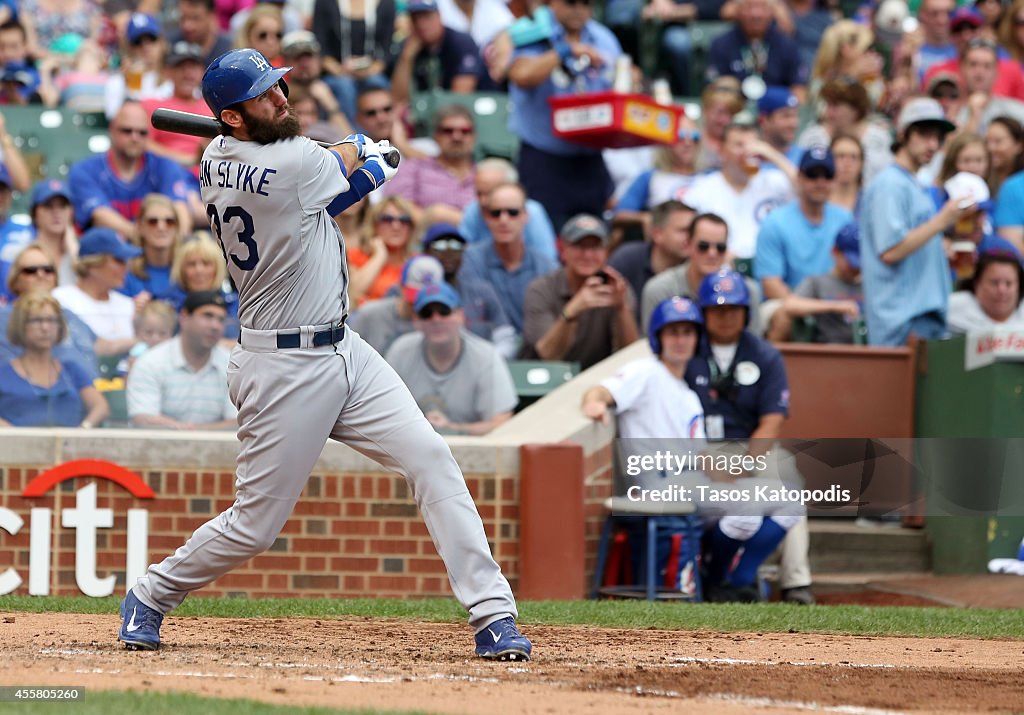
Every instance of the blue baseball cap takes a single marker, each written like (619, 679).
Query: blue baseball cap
(5, 176)
(19, 72)
(848, 243)
(997, 244)
(441, 230)
(422, 6)
(101, 241)
(818, 157)
(46, 189)
(140, 25)
(775, 98)
(965, 16)
(437, 293)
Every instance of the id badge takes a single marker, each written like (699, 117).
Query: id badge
(714, 426)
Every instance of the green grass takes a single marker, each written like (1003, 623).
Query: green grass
(767, 617)
(98, 702)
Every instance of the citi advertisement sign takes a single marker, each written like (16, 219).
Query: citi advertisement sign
(85, 519)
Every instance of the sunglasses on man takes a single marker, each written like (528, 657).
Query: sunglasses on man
(433, 309)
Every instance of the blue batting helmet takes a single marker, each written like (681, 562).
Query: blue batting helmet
(671, 310)
(726, 287)
(239, 75)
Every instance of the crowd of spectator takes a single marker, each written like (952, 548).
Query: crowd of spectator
(814, 149)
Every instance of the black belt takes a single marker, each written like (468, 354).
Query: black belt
(328, 336)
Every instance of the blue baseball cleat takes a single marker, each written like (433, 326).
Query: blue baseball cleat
(502, 640)
(140, 624)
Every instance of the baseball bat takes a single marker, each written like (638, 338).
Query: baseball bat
(197, 125)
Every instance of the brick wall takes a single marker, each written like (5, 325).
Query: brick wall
(352, 535)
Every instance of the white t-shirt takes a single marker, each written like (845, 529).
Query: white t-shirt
(651, 402)
(110, 319)
(489, 18)
(743, 211)
(966, 315)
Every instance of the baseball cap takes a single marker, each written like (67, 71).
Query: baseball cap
(992, 244)
(941, 78)
(582, 225)
(140, 24)
(17, 72)
(923, 110)
(848, 243)
(818, 158)
(965, 16)
(422, 6)
(5, 175)
(197, 299)
(299, 42)
(417, 273)
(46, 189)
(965, 185)
(182, 51)
(437, 293)
(441, 230)
(100, 241)
(775, 98)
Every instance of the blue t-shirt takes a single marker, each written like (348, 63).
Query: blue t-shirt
(930, 55)
(26, 405)
(792, 248)
(15, 234)
(78, 347)
(530, 118)
(730, 55)
(538, 234)
(1010, 202)
(157, 285)
(894, 203)
(481, 263)
(94, 184)
(653, 187)
(741, 406)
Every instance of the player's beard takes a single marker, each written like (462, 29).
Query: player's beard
(268, 132)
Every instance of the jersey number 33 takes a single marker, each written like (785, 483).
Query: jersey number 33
(248, 254)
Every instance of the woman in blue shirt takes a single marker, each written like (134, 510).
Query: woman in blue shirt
(36, 389)
(159, 236)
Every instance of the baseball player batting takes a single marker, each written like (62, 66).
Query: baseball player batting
(298, 374)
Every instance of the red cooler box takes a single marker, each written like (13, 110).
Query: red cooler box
(606, 120)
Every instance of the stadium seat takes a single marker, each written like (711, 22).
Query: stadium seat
(535, 378)
(51, 140)
(117, 400)
(110, 367)
(702, 34)
(648, 520)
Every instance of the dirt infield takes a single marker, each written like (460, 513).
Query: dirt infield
(409, 665)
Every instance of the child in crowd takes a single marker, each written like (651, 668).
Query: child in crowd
(154, 323)
(835, 298)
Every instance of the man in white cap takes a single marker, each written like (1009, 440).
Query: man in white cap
(379, 322)
(905, 271)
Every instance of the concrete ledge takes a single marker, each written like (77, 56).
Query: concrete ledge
(557, 417)
(147, 449)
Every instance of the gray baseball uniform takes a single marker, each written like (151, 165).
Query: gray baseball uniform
(267, 205)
